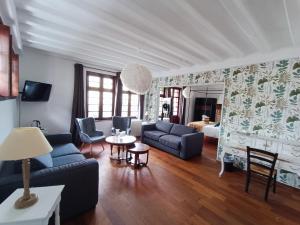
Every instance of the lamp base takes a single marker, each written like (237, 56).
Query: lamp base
(22, 202)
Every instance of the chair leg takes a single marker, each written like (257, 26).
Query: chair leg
(274, 183)
(268, 188)
(248, 177)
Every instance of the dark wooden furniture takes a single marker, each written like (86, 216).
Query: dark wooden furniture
(261, 163)
(205, 106)
(139, 149)
(122, 143)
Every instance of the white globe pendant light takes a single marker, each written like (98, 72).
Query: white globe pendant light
(187, 92)
(136, 78)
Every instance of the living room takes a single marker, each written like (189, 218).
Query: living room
(149, 112)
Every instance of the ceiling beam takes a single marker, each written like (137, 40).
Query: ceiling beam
(108, 26)
(95, 38)
(150, 21)
(288, 22)
(258, 40)
(208, 30)
(76, 46)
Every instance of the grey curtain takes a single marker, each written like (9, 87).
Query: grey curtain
(78, 101)
(142, 102)
(118, 95)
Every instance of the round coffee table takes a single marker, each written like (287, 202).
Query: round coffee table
(121, 142)
(139, 149)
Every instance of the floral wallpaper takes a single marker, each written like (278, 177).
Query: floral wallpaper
(261, 99)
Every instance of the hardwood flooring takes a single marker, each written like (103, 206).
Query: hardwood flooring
(174, 191)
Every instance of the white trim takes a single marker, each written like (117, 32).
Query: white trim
(233, 62)
(99, 71)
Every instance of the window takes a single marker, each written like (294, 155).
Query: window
(100, 95)
(173, 93)
(130, 103)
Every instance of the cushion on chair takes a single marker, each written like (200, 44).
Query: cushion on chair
(163, 126)
(67, 159)
(172, 141)
(154, 134)
(66, 149)
(97, 139)
(180, 130)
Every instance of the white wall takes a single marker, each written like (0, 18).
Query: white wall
(8, 117)
(55, 115)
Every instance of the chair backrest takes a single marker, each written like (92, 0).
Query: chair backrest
(260, 161)
(122, 123)
(86, 125)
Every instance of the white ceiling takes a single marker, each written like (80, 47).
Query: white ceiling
(164, 35)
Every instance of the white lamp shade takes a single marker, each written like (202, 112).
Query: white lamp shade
(187, 93)
(24, 143)
(136, 78)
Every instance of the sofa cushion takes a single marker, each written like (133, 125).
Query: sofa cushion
(36, 163)
(154, 134)
(172, 141)
(67, 159)
(163, 126)
(180, 130)
(65, 149)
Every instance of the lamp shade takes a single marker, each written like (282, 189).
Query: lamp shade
(136, 78)
(187, 92)
(24, 143)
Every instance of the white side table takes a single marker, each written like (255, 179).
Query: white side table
(39, 213)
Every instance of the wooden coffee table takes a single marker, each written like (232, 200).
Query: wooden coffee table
(139, 149)
(122, 143)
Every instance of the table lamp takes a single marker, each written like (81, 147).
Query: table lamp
(23, 144)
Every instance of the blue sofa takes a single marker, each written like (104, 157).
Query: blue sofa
(65, 165)
(179, 140)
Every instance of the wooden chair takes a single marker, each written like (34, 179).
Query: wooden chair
(261, 163)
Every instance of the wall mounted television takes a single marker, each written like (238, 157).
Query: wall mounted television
(36, 91)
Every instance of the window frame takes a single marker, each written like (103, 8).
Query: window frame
(100, 90)
(129, 104)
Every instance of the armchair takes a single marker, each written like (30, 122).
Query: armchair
(88, 133)
(121, 123)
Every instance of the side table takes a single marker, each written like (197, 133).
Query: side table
(39, 214)
(139, 149)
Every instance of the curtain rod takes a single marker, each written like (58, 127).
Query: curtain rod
(100, 69)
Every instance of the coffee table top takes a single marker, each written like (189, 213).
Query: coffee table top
(120, 140)
(139, 148)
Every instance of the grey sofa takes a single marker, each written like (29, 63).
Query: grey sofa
(179, 140)
(65, 165)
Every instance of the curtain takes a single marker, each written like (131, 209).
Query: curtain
(78, 101)
(142, 100)
(118, 95)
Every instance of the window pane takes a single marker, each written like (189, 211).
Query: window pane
(124, 113)
(94, 81)
(107, 83)
(134, 99)
(107, 107)
(107, 114)
(94, 108)
(107, 98)
(93, 94)
(93, 101)
(93, 114)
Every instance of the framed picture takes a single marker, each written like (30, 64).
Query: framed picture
(5, 62)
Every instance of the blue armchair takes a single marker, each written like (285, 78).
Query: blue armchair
(88, 133)
(121, 123)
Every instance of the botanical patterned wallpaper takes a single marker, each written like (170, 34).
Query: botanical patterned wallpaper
(261, 98)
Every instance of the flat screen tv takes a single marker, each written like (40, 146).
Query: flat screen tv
(36, 91)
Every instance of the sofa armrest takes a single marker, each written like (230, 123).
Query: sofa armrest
(191, 145)
(147, 127)
(59, 139)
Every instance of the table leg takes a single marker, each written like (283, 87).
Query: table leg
(136, 160)
(111, 148)
(147, 158)
(119, 152)
(57, 216)
(222, 165)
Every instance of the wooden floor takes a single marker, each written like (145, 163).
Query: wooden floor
(173, 191)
